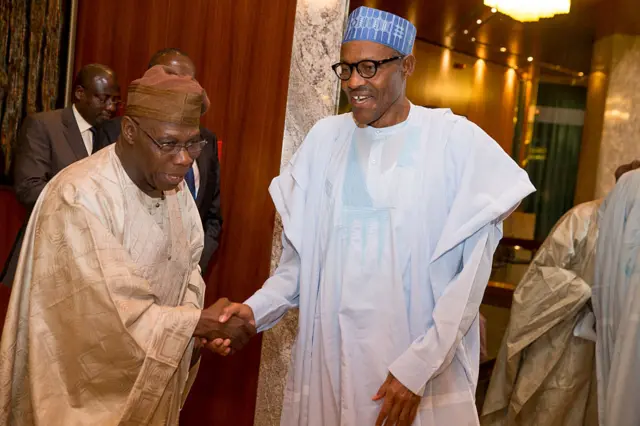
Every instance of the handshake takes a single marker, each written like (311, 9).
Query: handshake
(225, 327)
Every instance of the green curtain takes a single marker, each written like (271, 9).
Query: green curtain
(552, 161)
(520, 119)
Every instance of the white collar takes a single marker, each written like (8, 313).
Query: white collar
(83, 125)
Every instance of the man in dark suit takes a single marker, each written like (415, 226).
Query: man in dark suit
(203, 179)
(50, 141)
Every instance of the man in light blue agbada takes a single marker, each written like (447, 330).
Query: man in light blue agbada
(391, 216)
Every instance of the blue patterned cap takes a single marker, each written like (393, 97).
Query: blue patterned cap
(367, 24)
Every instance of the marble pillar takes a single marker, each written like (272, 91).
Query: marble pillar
(612, 123)
(621, 123)
(313, 94)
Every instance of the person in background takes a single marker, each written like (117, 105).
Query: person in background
(616, 304)
(545, 371)
(203, 179)
(391, 216)
(108, 293)
(50, 141)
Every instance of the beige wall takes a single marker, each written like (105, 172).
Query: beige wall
(593, 122)
(483, 92)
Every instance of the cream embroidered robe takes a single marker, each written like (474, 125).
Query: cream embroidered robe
(545, 371)
(105, 301)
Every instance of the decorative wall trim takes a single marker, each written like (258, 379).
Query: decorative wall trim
(71, 49)
(313, 93)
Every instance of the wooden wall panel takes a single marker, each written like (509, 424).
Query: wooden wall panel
(12, 216)
(242, 51)
(617, 17)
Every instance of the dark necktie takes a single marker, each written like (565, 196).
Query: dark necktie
(190, 178)
(94, 139)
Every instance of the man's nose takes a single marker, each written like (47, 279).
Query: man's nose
(356, 80)
(183, 158)
(110, 105)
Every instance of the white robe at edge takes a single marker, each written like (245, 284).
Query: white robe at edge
(616, 304)
(388, 240)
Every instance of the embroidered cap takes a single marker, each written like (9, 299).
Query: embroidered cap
(367, 24)
(163, 95)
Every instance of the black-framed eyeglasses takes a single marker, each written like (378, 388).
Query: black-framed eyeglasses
(366, 68)
(193, 147)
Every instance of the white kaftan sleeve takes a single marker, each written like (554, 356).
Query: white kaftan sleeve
(487, 186)
(289, 192)
(454, 313)
(280, 293)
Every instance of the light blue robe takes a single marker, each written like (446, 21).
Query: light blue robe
(388, 240)
(616, 304)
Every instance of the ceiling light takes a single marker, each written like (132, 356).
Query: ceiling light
(503, 49)
(473, 39)
(479, 21)
(494, 10)
(466, 32)
(528, 11)
(530, 59)
(581, 74)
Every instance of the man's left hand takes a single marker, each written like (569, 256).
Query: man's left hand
(400, 405)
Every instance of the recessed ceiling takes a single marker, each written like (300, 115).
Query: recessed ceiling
(561, 45)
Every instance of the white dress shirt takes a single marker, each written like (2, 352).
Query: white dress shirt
(196, 177)
(85, 130)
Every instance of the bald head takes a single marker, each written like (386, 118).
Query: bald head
(89, 73)
(635, 164)
(175, 59)
(96, 93)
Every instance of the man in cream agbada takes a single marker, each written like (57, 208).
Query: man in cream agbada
(108, 294)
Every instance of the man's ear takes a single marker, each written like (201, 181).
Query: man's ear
(78, 93)
(128, 130)
(408, 65)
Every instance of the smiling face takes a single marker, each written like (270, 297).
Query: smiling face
(378, 101)
(157, 170)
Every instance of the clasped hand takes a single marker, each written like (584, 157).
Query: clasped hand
(225, 327)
